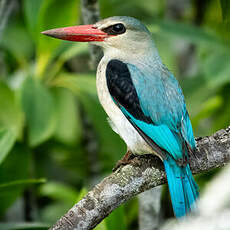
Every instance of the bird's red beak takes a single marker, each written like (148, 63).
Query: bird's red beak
(83, 33)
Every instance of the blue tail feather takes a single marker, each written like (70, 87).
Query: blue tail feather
(183, 188)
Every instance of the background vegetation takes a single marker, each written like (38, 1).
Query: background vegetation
(55, 142)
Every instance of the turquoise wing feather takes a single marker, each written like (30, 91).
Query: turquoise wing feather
(161, 99)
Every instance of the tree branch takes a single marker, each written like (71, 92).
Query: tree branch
(5, 11)
(150, 209)
(90, 15)
(130, 180)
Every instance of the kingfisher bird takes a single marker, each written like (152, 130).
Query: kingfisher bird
(143, 100)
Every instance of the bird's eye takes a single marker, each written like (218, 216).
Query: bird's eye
(118, 28)
(115, 29)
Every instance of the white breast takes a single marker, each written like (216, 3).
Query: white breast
(119, 122)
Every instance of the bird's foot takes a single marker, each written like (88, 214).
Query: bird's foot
(124, 161)
(129, 158)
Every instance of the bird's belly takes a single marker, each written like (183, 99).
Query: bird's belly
(119, 122)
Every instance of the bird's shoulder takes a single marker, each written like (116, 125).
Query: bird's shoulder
(159, 92)
(122, 89)
(150, 88)
(151, 96)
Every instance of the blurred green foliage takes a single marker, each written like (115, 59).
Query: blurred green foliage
(51, 122)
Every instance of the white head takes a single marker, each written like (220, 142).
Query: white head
(119, 34)
(127, 34)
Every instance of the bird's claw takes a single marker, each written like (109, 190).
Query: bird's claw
(128, 158)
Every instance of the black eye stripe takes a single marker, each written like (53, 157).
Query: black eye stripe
(115, 29)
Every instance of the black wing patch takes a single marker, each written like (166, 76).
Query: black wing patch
(123, 92)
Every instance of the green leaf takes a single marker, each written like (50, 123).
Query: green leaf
(101, 226)
(60, 192)
(84, 86)
(207, 109)
(66, 52)
(12, 185)
(217, 69)
(31, 12)
(10, 113)
(68, 130)
(78, 83)
(53, 14)
(82, 193)
(52, 212)
(194, 89)
(14, 168)
(39, 108)
(221, 116)
(23, 52)
(116, 220)
(225, 6)
(188, 32)
(111, 146)
(63, 197)
(24, 226)
(7, 140)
